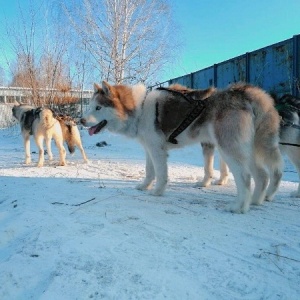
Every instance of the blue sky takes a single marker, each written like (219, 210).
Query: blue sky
(216, 30)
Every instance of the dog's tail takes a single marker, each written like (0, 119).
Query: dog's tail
(68, 136)
(71, 146)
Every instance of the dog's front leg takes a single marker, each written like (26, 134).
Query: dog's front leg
(27, 149)
(39, 142)
(48, 145)
(150, 175)
(159, 156)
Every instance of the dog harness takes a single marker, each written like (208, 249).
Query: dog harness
(197, 109)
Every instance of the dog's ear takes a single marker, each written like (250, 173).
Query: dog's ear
(97, 87)
(106, 88)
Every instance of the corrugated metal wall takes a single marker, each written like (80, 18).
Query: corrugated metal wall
(275, 68)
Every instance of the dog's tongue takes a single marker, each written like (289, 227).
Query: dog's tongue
(92, 130)
(96, 128)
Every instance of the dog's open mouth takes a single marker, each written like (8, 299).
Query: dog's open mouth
(96, 128)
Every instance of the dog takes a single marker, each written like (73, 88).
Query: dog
(288, 107)
(26, 115)
(40, 123)
(240, 120)
(71, 134)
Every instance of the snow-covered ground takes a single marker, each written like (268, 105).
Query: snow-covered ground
(84, 232)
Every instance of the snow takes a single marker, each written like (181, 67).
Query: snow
(84, 232)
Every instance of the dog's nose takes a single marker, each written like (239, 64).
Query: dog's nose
(83, 121)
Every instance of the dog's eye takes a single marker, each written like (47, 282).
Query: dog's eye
(98, 107)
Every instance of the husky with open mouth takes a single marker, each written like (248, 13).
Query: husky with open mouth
(240, 121)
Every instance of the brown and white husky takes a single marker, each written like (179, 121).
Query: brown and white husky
(30, 119)
(240, 121)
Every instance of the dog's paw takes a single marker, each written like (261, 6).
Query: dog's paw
(39, 165)
(27, 161)
(268, 198)
(221, 181)
(141, 187)
(237, 208)
(204, 183)
(156, 192)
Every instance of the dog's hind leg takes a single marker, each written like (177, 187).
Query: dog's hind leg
(275, 166)
(261, 179)
(62, 151)
(224, 173)
(208, 155)
(242, 177)
(293, 153)
(79, 145)
(27, 149)
(150, 174)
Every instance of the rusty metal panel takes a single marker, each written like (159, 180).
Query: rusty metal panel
(184, 80)
(233, 70)
(275, 68)
(203, 78)
(272, 67)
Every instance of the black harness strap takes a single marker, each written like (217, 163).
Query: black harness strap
(289, 124)
(196, 111)
(198, 107)
(289, 144)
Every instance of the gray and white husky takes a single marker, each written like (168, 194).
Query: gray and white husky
(240, 120)
(288, 108)
(40, 123)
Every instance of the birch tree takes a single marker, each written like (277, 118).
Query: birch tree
(40, 47)
(128, 40)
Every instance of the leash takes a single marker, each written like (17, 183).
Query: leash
(289, 144)
(198, 107)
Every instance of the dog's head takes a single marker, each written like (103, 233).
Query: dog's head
(110, 105)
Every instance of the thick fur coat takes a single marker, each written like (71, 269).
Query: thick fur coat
(44, 125)
(241, 121)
